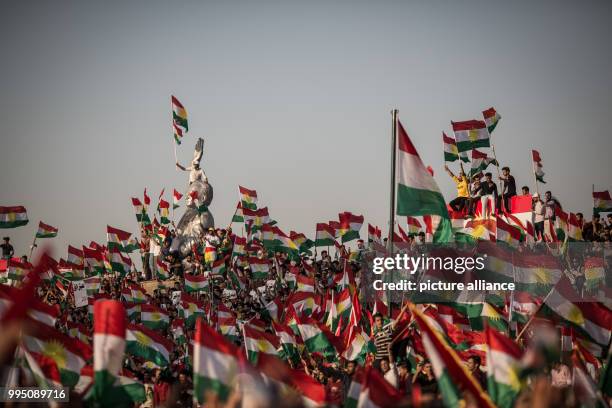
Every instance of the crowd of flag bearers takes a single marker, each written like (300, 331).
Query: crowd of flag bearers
(255, 316)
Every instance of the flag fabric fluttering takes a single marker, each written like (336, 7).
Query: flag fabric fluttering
(471, 134)
(491, 118)
(602, 202)
(12, 217)
(248, 198)
(480, 161)
(451, 153)
(537, 166)
(176, 199)
(45, 231)
(179, 120)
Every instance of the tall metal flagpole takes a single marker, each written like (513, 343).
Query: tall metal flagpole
(394, 113)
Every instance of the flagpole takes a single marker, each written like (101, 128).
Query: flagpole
(535, 178)
(394, 113)
(32, 248)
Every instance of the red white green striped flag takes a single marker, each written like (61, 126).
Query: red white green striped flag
(153, 317)
(248, 198)
(12, 217)
(215, 363)
(480, 161)
(179, 119)
(537, 166)
(503, 369)
(163, 270)
(260, 268)
(238, 215)
(315, 337)
(376, 392)
(176, 199)
(163, 207)
(325, 235)
(75, 256)
(288, 344)
(195, 283)
(257, 342)
(191, 309)
(471, 134)
(218, 267)
(449, 370)
(491, 118)
(602, 202)
(141, 212)
(350, 224)
(239, 246)
(68, 354)
(94, 260)
(451, 153)
(117, 239)
(109, 346)
(417, 191)
(148, 344)
(45, 231)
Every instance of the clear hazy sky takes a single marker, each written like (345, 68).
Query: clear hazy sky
(293, 99)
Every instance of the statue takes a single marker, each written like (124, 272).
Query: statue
(197, 219)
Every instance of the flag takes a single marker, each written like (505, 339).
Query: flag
(75, 256)
(350, 224)
(480, 161)
(163, 271)
(314, 336)
(259, 267)
(537, 166)
(590, 319)
(141, 212)
(491, 118)
(109, 345)
(12, 217)
(17, 270)
(304, 244)
(118, 240)
(594, 272)
(248, 198)
(195, 283)
(506, 233)
(503, 368)
(256, 342)
(471, 134)
(238, 248)
(325, 235)
(601, 202)
(288, 345)
(179, 119)
(176, 199)
(163, 207)
(119, 263)
(70, 355)
(45, 231)
(215, 363)
(574, 230)
(191, 309)
(374, 234)
(417, 191)
(451, 153)
(238, 215)
(154, 318)
(44, 370)
(92, 285)
(218, 267)
(143, 342)
(94, 260)
(377, 392)
(447, 367)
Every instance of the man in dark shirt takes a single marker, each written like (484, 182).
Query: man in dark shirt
(489, 186)
(7, 249)
(508, 187)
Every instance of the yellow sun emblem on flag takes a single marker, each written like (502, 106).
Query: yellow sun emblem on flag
(575, 316)
(473, 135)
(155, 316)
(55, 351)
(142, 339)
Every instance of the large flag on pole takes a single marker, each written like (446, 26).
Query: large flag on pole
(602, 202)
(417, 191)
(109, 346)
(179, 120)
(471, 134)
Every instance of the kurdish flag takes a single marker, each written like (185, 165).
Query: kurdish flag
(480, 161)
(447, 367)
(491, 118)
(471, 134)
(239, 246)
(141, 212)
(163, 207)
(176, 199)
(75, 256)
(238, 215)
(325, 235)
(94, 259)
(179, 119)
(17, 270)
(259, 267)
(45, 231)
(148, 344)
(451, 153)
(315, 338)
(215, 363)
(417, 191)
(218, 267)
(117, 239)
(248, 198)
(350, 224)
(163, 271)
(11, 217)
(195, 283)
(602, 202)
(288, 345)
(109, 346)
(594, 272)
(537, 166)
(258, 342)
(154, 318)
(67, 353)
(191, 309)
(503, 367)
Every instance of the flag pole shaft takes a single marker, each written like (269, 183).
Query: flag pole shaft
(32, 249)
(535, 178)
(496, 166)
(394, 113)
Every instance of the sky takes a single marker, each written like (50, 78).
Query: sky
(293, 99)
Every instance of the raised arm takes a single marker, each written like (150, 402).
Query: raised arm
(450, 173)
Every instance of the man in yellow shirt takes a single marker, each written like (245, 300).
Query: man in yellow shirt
(463, 194)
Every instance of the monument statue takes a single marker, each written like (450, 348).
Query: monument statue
(197, 219)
